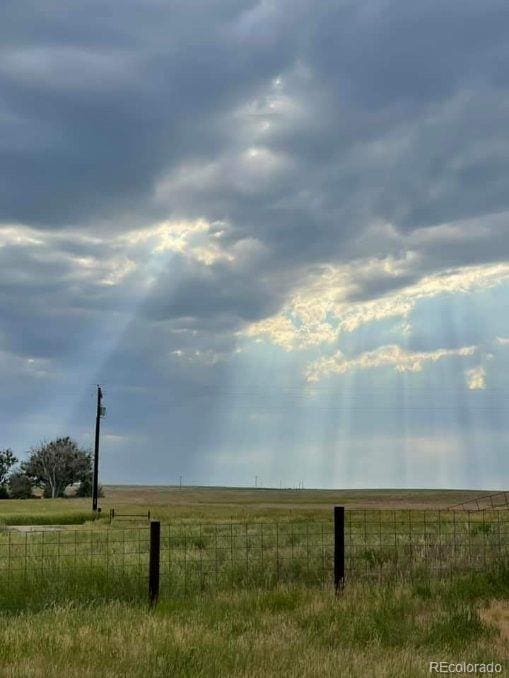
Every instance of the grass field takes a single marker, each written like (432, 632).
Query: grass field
(388, 631)
(85, 622)
(214, 504)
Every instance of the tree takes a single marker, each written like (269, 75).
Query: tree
(7, 461)
(86, 487)
(20, 486)
(56, 465)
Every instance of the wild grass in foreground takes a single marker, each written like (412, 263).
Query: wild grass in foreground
(380, 631)
(81, 585)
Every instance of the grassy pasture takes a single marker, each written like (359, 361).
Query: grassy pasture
(389, 632)
(381, 545)
(211, 504)
(223, 611)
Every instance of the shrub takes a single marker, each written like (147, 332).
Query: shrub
(20, 486)
(85, 488)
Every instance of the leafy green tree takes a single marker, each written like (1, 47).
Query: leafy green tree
(20, 486)
(7, 461)
(56, 465)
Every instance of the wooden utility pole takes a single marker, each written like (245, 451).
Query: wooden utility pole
(99, 414)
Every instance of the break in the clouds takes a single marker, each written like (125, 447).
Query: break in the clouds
(245, 219)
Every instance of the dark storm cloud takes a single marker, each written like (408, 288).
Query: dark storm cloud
(118, 97)
(212, 293)
(114, 98)
(416, 140)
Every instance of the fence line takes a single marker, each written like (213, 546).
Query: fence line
(359, 545)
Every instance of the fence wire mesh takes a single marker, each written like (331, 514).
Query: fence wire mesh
(244, 554)
(415, 544)
(379, 545)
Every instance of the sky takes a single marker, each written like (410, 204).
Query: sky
(276, 233)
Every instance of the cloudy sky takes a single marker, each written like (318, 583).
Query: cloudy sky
(277, 233)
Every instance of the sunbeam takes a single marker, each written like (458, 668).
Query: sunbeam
(282, 255)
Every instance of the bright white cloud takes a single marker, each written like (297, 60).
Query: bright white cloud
(199, 240)
(385, 356)
(320, 310)
(476, 378)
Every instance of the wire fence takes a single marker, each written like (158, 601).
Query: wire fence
(416, 544)
(378, 546)
(244, 554)
(488, 501)
(42, 550)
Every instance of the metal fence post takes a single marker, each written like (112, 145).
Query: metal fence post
(339, 547)
(154, 561)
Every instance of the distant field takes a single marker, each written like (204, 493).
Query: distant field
(209, 504)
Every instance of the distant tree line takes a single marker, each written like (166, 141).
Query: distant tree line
(51, 467)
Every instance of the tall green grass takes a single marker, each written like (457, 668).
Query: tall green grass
(382, 631)
(54, 518)
(32, 590)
